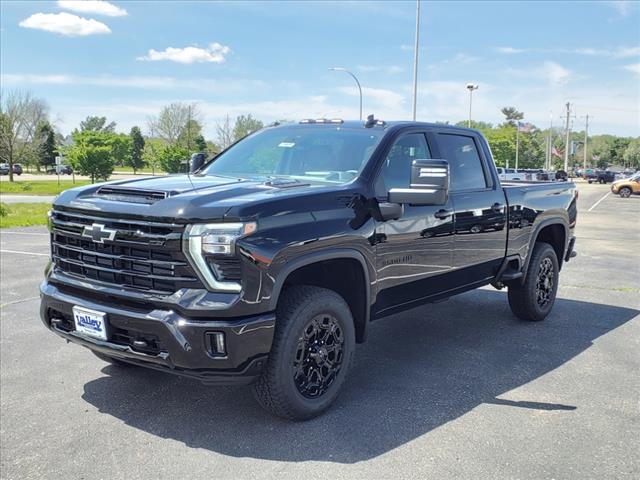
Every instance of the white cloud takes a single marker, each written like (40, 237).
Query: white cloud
(555, 73)
(376, 98)
(97, 7)
(509, 50)
(214, 53)
(623, 7)
(633, 67)
(388, 69)
(148, 82)
(65, 24)
(625, 52)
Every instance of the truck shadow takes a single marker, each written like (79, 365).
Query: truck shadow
(418, 371)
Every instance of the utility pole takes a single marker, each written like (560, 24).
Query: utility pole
(549, 144)
(568, 133)
(517, 141)
(415, 61)
(586, 139)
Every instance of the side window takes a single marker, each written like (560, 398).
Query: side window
(396, 170)
(464, 162)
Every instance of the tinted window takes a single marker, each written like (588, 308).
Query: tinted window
(396, 170)
(323, 154)
(464, 162)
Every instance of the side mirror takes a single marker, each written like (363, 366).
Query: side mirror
(197, 160)
(429, 184)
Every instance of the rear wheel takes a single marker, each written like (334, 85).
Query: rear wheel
(533, 299)
(625, 192)
(312, 351)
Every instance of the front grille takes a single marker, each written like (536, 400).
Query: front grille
(145, 256)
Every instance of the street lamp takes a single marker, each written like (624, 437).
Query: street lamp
(471, 87)
(342, 69)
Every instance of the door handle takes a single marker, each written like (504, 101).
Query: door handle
(497, 207)
(442, 213)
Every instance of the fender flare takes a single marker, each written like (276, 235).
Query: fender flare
(320, 256)
(534, 237)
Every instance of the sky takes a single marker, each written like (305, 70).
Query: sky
(126, 59)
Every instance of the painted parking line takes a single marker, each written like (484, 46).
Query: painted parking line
(598, 202)
(24, 233)
(26, 253)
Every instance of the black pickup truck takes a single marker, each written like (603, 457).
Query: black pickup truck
(267, 264)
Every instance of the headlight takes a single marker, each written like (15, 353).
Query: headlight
(208, 239)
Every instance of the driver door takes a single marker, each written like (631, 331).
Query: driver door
(415, 250)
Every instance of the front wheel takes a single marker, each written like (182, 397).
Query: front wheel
(312, 351)
(625, 192)
(533, 299)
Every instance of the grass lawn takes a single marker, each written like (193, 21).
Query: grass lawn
(23, 214)
(44, 187)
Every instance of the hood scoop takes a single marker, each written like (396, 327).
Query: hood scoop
(131, 195)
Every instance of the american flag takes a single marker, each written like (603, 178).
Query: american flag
(525, 127)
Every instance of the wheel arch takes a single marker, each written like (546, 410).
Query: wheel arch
(342, 270)
(553, 232)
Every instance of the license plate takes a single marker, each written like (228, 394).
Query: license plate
(90, 322)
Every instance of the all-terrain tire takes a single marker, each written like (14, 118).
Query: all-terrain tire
(533, 299)
(279, 389)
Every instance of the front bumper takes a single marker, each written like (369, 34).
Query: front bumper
(175, 343)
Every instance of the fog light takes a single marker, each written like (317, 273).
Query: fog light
(216, 343)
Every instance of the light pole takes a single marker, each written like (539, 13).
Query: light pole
(471, 87)
(342, 69)
(415, 62)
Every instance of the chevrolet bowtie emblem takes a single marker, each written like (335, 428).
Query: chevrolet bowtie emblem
(99, 233)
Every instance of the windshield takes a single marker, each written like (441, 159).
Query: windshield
(328, 155)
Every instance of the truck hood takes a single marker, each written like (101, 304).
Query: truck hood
(188, 199)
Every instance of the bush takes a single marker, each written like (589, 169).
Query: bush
(171, 158)
(4, 210)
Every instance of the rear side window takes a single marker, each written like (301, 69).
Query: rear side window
(464, 162)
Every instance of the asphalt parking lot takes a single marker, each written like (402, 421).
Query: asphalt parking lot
(460, 389)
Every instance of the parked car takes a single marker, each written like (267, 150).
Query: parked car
(4, 169)
(509, 174)
(268, 268)
(627, 187)
(60, 170)
(602, 176)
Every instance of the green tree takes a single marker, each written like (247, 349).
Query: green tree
(135, 159)
(632, 153)
(46, 144)
(151, 153)
(20, 114)
(177, 123)
(245, 124)
(120, 149)
(94, 161)
(171, 158)
(97, 124)
(512, 115)
(187, 138)
(200, 143)
(503, 145)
